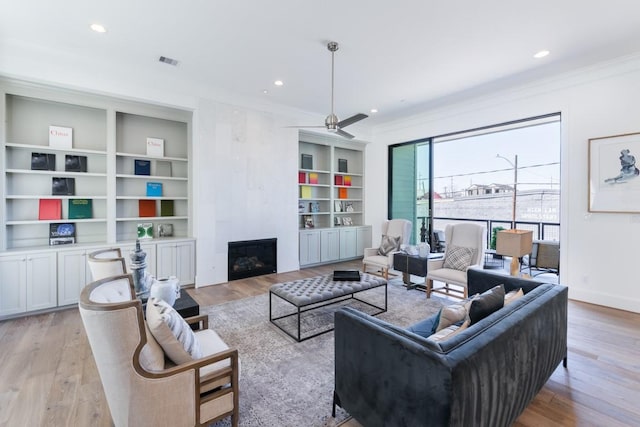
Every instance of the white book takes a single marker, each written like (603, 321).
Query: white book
(155, 147)
(60, 137)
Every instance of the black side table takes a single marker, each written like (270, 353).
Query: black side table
(186, 306)
(413, 264)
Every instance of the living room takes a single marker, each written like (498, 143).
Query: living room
(245, 157)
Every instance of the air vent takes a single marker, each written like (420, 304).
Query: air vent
(169, 61)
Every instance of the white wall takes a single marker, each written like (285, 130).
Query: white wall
(598, 250)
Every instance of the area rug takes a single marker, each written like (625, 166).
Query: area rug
(286, 383)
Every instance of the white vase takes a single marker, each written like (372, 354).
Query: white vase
(167, 289)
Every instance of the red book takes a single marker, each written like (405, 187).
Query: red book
(302, 178)
(342, 193)
(338, 179)
(146, 208)
(50, 209)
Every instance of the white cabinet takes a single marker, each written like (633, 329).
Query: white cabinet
(329, 245)
(27, 282)
(147, 246)
(73, 275)
(348, 243)
(309, 247)
(177, 259)
(363, 239)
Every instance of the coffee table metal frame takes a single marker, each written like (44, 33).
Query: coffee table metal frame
(323, 303)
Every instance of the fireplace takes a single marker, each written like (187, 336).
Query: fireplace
(251, 258)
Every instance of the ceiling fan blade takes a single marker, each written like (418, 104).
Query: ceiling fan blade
(344, 134)
(351, 120)
(304, 127)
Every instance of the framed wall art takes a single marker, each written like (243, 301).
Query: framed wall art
(614, 176)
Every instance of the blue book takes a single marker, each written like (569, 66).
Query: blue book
(154, 189)
(142, 167)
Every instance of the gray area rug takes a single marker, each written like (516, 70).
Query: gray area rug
(285, 383)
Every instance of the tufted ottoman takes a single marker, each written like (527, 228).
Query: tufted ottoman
(316, 292)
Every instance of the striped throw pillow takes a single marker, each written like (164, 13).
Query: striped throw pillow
(171, 331)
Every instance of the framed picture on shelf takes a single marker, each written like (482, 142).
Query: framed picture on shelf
(337, 206)
(342, 165)
(308, 221)
(314, 207)
(614, 177)
(337, 220)
(348, 206)
(306, 161)
(301, 207)
(347, 220)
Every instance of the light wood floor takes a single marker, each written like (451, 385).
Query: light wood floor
(48, 376)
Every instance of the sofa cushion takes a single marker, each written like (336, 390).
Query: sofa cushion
(486, 303)
(511, 296)
(389, 244)
(449, 332)
(425, 327)
(459, 257)
(451, 314)
(172, 332)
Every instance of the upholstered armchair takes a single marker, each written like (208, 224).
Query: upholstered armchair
(395, 232)
(143, 387)
(465, 249)
(106, 263)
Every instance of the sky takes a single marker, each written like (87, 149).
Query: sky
(462, 162)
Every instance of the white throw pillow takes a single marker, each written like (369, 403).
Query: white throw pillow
(172, 332)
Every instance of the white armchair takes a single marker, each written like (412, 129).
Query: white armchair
(373, 258)
(141, 386)
(106, 263)
(465, 249)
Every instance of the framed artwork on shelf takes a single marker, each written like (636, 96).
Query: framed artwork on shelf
(337, 220)
(306, 161)
(314, 207)
(347, 220)
(614, 177)
(301, 207)
(342, 165)
(348, 207)
(308, 221)
(337, 206)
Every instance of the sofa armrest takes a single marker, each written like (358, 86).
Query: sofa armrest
(435, 264)
(479, 280)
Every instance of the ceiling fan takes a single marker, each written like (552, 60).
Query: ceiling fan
(331, 123)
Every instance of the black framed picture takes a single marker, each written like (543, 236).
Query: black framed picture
(43, 161)
(75, 163)
(306, 161)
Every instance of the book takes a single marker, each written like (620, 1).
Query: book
(301, 207)
(308, 221)
(146, 208)
(165, 230)
(342, 193)
(313, 178)
(63, 186)
(50, 209)
(342, 165)
(347, 180)
(141, 167)
(60, 137)
(337, 220)
(154, 189)
(338, 180)
(166, 208)
(302, 178)
(62, 234)
(145, 230)
(163, 168)
(347, 220)
(337, 206)
(155, 147)
(75, 163)
(305, 192)
(80, 208)
(306, 161)
(348, 207)
(43, 161)
(314, 207)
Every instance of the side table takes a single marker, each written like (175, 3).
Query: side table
(413, 264)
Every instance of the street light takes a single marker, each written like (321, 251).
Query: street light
(514, 165)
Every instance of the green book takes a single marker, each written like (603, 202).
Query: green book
(80, 209)
(166, 207)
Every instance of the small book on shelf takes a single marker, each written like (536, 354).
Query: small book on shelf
(154, 189)
(342, 165)
(62, 234)
(43, 161)
(342, 193)
(155, 147)
(305, 192)
(339, 180)
(166, 207)
(75, 163)
(313, 178)
(50, 209)
(302, 178)
(63, 186)
(142, 167)
(60, 137)
(347, 180)
(145, 230)
(80, 208)
(306, 161)
(146, 208)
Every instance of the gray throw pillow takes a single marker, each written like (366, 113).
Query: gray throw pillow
(389, 244)
(459, 258)
(486, 303)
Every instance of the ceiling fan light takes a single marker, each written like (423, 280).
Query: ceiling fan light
(541, 54)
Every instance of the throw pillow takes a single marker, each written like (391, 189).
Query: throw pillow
(172, 332)
(389, 244)
(486, 303)
(151, 356)
(449, 332)
(451, 314)
(459, 258)
(425, 327)
(512, 296)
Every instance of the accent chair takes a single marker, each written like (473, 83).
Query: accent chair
(106, 263)
(397, 231)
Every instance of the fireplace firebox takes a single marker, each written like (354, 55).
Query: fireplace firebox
(251, 258)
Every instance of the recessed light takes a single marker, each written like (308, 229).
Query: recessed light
(265, 91)
(374, 110)
(98, 28)
(278, 83)
(541, 54)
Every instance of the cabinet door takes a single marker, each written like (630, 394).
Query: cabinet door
(149, 248)
(329, 245)
(348, 240)
(176, 259)
(309, 247)
(363, 237)
(13, 284)
(41, 281)
(73, 275)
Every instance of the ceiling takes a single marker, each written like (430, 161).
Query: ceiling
(395, 56)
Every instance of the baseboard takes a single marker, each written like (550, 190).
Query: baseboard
(620, 302)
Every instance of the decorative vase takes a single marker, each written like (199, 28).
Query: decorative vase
(167, 289)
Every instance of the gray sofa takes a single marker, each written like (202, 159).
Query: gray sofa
(485, 375)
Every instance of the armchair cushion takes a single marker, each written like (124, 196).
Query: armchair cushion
(459, 258)
(486, 303)
(389, 244)
(172, 332)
